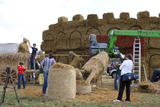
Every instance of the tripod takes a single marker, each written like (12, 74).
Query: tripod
(8, 80)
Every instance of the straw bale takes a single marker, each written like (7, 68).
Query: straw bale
(157, 87)
(12, 60)
(23, 48)
(154, 43)
(62, 19)
(155, 61)
(77, 60)
(132, 21)
(107, 16)
(144, 14)
(124, 15)
(61, 82)
(96, 65)
(92, 20)
(79, 75)
(78, 17)
(40, 57)
(83, 89)
(146, 87)
(154, 20)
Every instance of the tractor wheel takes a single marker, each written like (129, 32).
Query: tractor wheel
(3, 76)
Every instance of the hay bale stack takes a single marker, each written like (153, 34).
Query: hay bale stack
(108, 16)
(62, 19)
(92, 20)
(61, 82)
(78, 17)
(12, 60)
(154, 43)
(154, 20)
(142, 15)
(96, 65)
(154, 61)
(146, 87)
(124, 15)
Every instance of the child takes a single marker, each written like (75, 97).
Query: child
(21, 76)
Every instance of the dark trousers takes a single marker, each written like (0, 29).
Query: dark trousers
(21, 77)
(155, 76)
(32, 62)
(124, 84)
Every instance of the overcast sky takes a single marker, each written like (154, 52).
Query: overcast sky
(29, 18)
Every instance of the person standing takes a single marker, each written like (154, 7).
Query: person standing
(46, 63)
(33, 55)
(21, 77)
(126, 67)
(116, 65)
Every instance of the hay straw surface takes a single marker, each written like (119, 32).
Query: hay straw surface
(146, 87)
(62, 66)
(61, 82)
(12, 60)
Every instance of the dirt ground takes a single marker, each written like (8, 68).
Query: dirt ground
(103, 93)
(99, 97)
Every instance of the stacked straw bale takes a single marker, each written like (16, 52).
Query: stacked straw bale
(154, 61)
(144, 14)
(92, 20)
(124, 16)
(62, 19)
(12, 60)
(154, 43)
(62, 82)
(96, 65)
(78, 17)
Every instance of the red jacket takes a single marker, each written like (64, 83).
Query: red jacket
(21, 69)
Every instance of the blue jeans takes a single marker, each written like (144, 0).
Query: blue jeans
(116, 82)
(45, 84)
(21, 77)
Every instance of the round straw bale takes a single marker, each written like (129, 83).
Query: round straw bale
(82, 87)
(61, 82)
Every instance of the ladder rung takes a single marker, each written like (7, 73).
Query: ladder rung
(136, 66)
(135, 71)
(136, 62)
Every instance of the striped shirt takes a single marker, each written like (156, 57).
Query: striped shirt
(47, 62)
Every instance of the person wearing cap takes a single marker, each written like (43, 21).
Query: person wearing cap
(33, 55)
